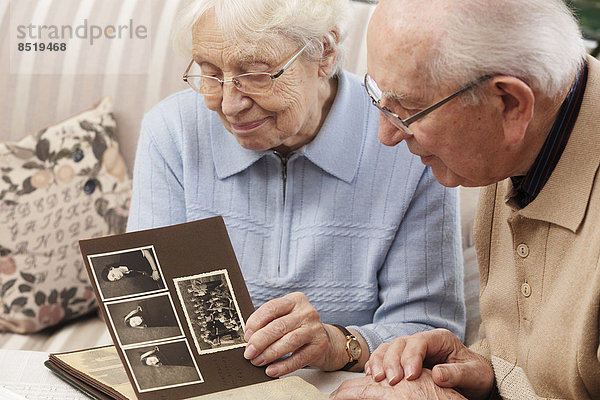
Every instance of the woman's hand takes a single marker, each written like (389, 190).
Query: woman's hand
(453, 364)
(420, 388)
(290, 324)
(148, 256)
(155, 275)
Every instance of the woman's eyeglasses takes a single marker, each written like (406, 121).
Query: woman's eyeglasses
(249, 83)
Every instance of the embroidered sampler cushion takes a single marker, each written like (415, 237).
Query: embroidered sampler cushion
(62, 184)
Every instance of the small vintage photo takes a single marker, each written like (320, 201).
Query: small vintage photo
(212, 312)
(128, 272)
(163, 366)
(144, 319)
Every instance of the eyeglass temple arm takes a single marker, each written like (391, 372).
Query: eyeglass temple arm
(185, 74)
(447, 99)
(287, 64)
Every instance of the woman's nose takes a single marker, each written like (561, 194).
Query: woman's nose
(234, 101)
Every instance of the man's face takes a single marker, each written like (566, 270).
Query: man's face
(459, 142)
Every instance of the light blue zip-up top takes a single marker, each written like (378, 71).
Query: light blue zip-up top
(362, 229)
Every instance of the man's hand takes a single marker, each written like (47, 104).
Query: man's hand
(289, 324)
(453, 365)
(419, 388)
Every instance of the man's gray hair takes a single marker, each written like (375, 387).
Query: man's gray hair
(538, 41)
(271, 23)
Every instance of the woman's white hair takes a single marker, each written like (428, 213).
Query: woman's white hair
(538, 41)
(271, 23)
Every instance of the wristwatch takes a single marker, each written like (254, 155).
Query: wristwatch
(352, 348)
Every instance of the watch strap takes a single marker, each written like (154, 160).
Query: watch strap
(349, 336)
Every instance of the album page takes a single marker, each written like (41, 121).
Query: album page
(175, 303)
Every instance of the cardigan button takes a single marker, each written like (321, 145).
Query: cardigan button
(526, 289)
(523, 250)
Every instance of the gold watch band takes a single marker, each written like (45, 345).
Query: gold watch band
(349, 338)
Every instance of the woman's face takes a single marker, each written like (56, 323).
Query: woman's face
(288, 115)
(135, 321)
(114, 274)
(151, 361)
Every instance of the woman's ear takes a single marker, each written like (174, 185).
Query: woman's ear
(517, 101)
(330, 54)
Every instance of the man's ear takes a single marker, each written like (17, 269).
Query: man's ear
(330, 54)
(517, 102)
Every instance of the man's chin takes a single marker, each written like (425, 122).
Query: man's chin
(445, 177)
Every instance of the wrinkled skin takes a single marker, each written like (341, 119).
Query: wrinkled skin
(366, 388)
(453, 364)
(290, 324)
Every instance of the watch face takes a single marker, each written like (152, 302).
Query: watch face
(354, 348)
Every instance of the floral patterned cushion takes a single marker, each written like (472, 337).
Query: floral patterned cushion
(64, 183)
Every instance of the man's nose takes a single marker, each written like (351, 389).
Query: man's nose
(388, 133)
(234, 101)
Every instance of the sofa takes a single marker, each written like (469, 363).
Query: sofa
(37, 93)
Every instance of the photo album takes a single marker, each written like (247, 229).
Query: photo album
(175, 303)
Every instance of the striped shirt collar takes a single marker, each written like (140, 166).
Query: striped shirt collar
(529, 186)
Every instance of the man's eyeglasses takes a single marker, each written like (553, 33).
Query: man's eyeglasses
(249, 83)
(402, 124)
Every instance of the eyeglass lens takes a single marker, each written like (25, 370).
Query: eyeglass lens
(375, 94)
(248, 83)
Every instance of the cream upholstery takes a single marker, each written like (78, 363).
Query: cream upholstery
(30, 101)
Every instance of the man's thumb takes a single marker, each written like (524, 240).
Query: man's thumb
(469, 378)
(458, 375)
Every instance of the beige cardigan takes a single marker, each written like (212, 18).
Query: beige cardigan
(540, 273)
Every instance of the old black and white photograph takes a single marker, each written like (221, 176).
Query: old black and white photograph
(144, 319)
(163, 365)
(212, 311)
(128, 272)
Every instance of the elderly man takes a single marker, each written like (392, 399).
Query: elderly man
(516, 109)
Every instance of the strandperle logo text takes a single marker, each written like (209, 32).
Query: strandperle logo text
(90, 32)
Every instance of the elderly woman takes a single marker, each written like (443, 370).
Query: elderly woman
(329, 226)
(132, 264)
